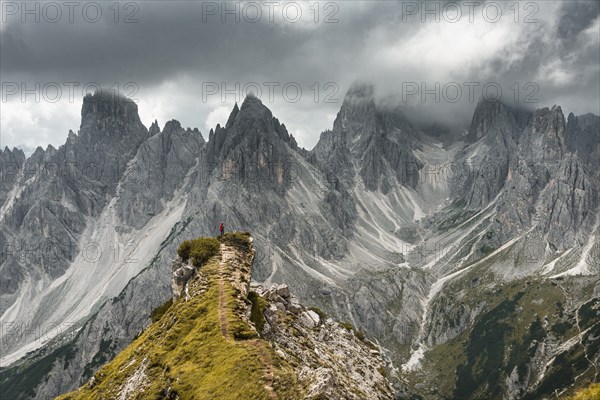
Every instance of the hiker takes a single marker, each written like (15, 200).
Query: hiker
(222, 228)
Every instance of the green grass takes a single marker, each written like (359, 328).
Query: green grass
(516, 318)
(200, 250)
(241, 240)
(159, 311)
(591, 393)
(185, 350)
(257, 313)
(347, 325)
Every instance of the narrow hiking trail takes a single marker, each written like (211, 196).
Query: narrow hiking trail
(227, 255)
(265, 359)
(222, 316)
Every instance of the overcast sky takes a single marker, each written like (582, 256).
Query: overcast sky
(175, 59)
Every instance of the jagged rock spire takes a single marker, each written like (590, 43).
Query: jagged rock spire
(232, 116)
(154, 128)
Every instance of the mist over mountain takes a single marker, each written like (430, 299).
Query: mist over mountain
(540, 53)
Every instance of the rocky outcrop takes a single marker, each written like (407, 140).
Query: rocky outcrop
(547, 186)
(253, 149)
(109, 137)
(495, 132)
(335, 361)
(182, 272)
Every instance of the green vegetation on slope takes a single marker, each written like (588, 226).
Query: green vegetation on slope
(591, 393)
(257, 314)
(20, 383)
(507, 336)
(159, 311)
(236, 239)
(200, 250)
(192, 351)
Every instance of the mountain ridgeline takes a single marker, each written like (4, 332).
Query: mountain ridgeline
(218, 338)
(471, 259)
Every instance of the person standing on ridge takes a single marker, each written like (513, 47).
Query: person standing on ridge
(222, 228)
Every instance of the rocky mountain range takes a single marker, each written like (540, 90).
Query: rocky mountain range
(473, 260)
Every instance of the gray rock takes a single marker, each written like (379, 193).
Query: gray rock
(532, 178)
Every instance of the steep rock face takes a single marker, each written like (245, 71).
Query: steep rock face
(549, 127)
(58, 191)
(569, 204)
(156, 172)
(583, 136)
(494, 118)
(253, 149)
(109, 136)
(495, 129)
(380, 139)
(11, 170)
(11, 162)
(547, 186)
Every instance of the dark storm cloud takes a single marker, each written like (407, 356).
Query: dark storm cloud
(178, 37)
(175, 47)
(168, 39)
(576, 17)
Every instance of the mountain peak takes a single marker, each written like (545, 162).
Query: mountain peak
(254, 116)
(551, 125)
(106, 106)
(358, 109)
(361, 90)
(172, 125)
(105, 99)
(251, 101)
(154, 128)
(232, 116)
(489, 116)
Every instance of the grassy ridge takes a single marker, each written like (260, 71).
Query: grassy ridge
(186, 354)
